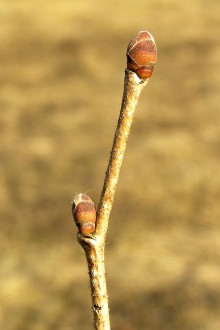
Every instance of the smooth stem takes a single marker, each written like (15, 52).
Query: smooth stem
(133, 87)
(94, 245)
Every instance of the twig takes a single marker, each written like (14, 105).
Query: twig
(141, 56)
(133, 86)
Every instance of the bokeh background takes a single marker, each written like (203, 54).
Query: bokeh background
(61, 78)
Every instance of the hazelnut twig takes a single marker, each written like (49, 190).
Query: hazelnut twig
(141, 58)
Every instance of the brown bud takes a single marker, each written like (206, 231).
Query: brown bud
(142, 54)
(84, 214)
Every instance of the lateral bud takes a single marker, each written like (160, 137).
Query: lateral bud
(84, 214)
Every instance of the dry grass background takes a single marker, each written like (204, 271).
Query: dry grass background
(61, 81)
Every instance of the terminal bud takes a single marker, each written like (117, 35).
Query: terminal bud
(142, 54)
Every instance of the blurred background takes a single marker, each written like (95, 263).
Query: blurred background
(61, 81)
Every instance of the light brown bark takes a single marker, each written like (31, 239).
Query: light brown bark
(94, 245)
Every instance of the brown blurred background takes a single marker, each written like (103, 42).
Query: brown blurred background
(61, 78)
